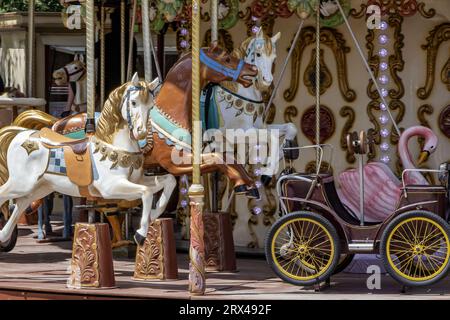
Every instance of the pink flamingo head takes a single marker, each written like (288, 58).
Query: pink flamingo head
(430, 145)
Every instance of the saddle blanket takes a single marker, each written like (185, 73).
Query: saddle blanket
(56, 162)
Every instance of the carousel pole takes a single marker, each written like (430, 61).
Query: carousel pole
(122, 41)
(146, 41)
(30, 84)
(318, 86)
(197, 282)
(102, 55)
(214, 22)
(98, 248)
(130, 43)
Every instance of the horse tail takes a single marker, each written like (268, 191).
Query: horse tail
(7, 134)
(34, 119)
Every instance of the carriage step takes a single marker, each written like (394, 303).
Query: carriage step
(361, 246)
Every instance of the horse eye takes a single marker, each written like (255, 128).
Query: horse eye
(133, 103)
(258, 54)
(228, 60)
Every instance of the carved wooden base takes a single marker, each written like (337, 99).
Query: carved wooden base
(156, 258)
(219, 245)
(92, 264)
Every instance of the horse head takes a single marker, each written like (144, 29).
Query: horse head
(72, 72)
(260, 50)
(128, 105)
(220, 66)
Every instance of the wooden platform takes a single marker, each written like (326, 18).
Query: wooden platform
(39, 271)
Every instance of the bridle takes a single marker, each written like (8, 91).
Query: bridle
(216, 66)
(69, 74)
(131, 89)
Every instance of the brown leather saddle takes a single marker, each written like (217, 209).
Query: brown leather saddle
(76, 155)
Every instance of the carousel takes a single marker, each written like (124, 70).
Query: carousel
(178, 170)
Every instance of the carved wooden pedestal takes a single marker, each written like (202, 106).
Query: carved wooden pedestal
(219, 245)
(156, 258)
(92, 264)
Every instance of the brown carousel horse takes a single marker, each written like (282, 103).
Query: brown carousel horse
(171, 118)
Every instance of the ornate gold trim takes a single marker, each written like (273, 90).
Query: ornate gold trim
(118, 157)
(335, 41)
(424, 110)
(349, 113)
(445, 74)
(437, 35)
(30, 146)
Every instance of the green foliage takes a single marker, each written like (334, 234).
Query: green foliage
(22, 5)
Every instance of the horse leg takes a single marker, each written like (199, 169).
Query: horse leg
(169, 183)
(21, 204)
(127, 190)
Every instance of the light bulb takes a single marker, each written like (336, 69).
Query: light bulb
(256, 210)
(383, 52)
(383, 119)
(383, 106)
(383, 25)
(383, 66)
(384, 79)
(384, 133)
(385, 159)
(383, 39)
(384, 146)
(184, 203)
(384, 92)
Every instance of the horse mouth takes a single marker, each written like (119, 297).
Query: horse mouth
(246, 80)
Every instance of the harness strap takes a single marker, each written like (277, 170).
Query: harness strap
(216, 66)
(239, 96)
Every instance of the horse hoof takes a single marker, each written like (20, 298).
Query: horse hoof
(265, 180)
(242, 189)
(139, 239)
(253, 193)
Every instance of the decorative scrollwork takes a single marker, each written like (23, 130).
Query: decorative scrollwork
(400, 106)
(405, 8)
(311, 167)
(349, 113)
(424, 110)
(335, 41)
(309, 77)
(149, 264)
(444, 121)
(289, 113)
(437, 36)
(445, 74)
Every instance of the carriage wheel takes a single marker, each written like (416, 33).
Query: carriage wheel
(302, 248)
(344, 262)
(415, 248)
(11, 243)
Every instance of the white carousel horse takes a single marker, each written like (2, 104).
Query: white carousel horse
(243, 108)
(35, 163)
(382, 189)
(74, 74)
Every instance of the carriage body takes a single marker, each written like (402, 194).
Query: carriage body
(305, 195)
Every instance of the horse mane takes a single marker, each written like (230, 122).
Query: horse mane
(111, 120)
(240, 53)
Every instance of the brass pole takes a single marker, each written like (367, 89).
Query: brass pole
(90, 61)
(197, 283)
(214, 22)
(30, 84)
(130, 43)
(122, 41)
(146, 40)
(102, 55)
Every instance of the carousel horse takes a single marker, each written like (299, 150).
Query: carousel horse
(171, 113)
(382, 188)
(74, 74)
(107, 164)
(234, 106)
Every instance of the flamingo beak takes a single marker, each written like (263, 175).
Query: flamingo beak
(423, 157)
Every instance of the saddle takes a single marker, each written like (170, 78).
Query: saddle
(76, 155)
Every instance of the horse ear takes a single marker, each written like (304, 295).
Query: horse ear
(154, 83)
(135, 79)
(81, 58)
(75, 58)
(260, 33)
(276, 37)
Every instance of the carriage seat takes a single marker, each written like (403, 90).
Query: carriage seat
(52, 139)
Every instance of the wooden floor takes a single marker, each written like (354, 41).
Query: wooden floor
(39, 271)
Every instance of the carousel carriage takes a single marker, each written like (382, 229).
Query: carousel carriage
(317, 234)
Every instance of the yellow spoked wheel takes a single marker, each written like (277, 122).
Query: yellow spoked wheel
(415, 248)
(302, 248)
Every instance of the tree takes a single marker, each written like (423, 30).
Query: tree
(22, 5)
